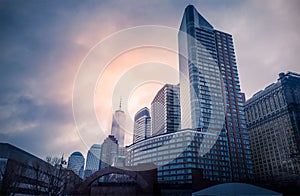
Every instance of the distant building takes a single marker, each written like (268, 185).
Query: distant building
(92, 160)
(165, 110)
(22, 173)
(142, 125)
(76, 163)
(109, 152)
(273, 121)
(118, 126)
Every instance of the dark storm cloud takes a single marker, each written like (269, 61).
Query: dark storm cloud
(43, 42)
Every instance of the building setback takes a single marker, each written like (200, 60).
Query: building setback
(273, 121)
(165, 110)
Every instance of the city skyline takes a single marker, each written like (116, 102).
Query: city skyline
(36, 111)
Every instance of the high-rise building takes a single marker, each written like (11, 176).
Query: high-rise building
(76, 163)
(165, 110)
(210, 94)
(109, 152)
(273, 121)
(118, 125)
(142, 125)
(92, 160)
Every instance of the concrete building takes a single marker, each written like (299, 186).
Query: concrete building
(92, 160)
(165, 110)
(76, 163)
(142, 125)
(273, 121)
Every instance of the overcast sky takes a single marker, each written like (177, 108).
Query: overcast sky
(42, 44)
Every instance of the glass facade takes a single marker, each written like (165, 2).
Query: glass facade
(142, 125)
(212, 98)
(118, 126)
(165, 110)
(92, 160)
(177, 153)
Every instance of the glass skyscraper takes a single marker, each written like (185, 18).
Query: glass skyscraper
(92, 160)
(142, 125)
(165, 110)
(213, 138)
(76, 163)
(211, 99)
(118, 126)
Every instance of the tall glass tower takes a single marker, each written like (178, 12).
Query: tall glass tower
(118, 126)
(165, 110)
(210, 95)
(92, 160)
(142, 125)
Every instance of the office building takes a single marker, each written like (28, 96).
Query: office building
(76, 163)
(92, 160)
(109, 152)
(142, 125)
(165, 110)
(118, 125)
(177, 154)
(210, 95)
(273, 121)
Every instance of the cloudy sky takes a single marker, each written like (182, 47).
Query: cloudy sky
(43, 44)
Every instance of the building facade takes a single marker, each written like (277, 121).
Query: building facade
(109, 152)
(165, 110)
(142, 125)
(92, 160)
(211, 99)
(273, 121)
(176, 154)
(76, 163)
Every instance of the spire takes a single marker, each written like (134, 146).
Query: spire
(120, 105)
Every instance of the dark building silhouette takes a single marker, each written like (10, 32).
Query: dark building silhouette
(24, 173)
(273, 121)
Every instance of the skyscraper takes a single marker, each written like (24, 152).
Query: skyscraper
(92, 160)
(109, 152)
(142, 125)
(210, 94)
(165, 110)
(118, 125)
(76, 163)
(273, 120)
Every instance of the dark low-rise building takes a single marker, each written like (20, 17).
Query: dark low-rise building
(24, 173)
